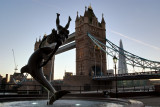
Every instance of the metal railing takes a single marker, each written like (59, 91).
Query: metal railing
(12, 89)
(39, 90)
(131, 74)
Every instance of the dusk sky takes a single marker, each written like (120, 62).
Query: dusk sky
(136, 22)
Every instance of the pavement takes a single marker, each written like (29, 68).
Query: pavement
(148, 101)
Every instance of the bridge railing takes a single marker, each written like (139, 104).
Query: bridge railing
(129, 74)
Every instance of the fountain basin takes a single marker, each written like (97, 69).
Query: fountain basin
(73, 102)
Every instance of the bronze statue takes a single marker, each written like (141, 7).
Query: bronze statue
(55, 37)
(36, 61)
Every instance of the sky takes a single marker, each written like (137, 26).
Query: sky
(136, 22)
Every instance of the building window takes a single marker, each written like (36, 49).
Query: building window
(80, 54)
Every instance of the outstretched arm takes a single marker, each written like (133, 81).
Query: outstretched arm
(67, 25)
(43, 40)
(58, 22)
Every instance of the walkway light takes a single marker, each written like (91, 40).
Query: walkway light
(115, 61)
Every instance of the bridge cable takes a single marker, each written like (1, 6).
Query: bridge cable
(131, 58)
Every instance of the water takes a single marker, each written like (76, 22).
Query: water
(8, 93)
(65, 103)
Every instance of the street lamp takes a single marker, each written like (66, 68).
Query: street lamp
(115, 61)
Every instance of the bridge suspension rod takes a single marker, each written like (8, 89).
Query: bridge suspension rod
(131, 59)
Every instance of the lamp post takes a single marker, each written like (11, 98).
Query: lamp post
(115, 61)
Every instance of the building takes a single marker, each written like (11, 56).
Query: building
(110, 72)
(122, 66)
(68, 74)
(11, 79)
(6, 78)
(1, 77)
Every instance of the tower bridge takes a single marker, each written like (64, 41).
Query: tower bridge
(89, 39)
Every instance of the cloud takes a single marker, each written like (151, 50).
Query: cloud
(138, 41)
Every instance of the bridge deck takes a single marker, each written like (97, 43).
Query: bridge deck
(68, 44)
(130, 76)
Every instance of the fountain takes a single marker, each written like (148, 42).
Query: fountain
(37, 59)
(76, 103)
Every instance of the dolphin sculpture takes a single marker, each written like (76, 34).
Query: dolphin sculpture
(36, 60)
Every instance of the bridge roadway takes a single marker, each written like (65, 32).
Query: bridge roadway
(68, 44)
(129, 76)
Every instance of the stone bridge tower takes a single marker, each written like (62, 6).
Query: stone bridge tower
(90, 60)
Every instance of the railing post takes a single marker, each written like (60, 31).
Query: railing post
(27, 90)
(123, 88)
(4, 91)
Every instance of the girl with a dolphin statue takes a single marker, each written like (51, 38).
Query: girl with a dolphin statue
(36, 60)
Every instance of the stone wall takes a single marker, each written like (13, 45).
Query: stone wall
(82, 82)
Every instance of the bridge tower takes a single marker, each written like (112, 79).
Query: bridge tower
(49, 66)
(89, 59)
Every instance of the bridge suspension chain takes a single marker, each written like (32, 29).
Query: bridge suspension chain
(20, 79)
(131, 59)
